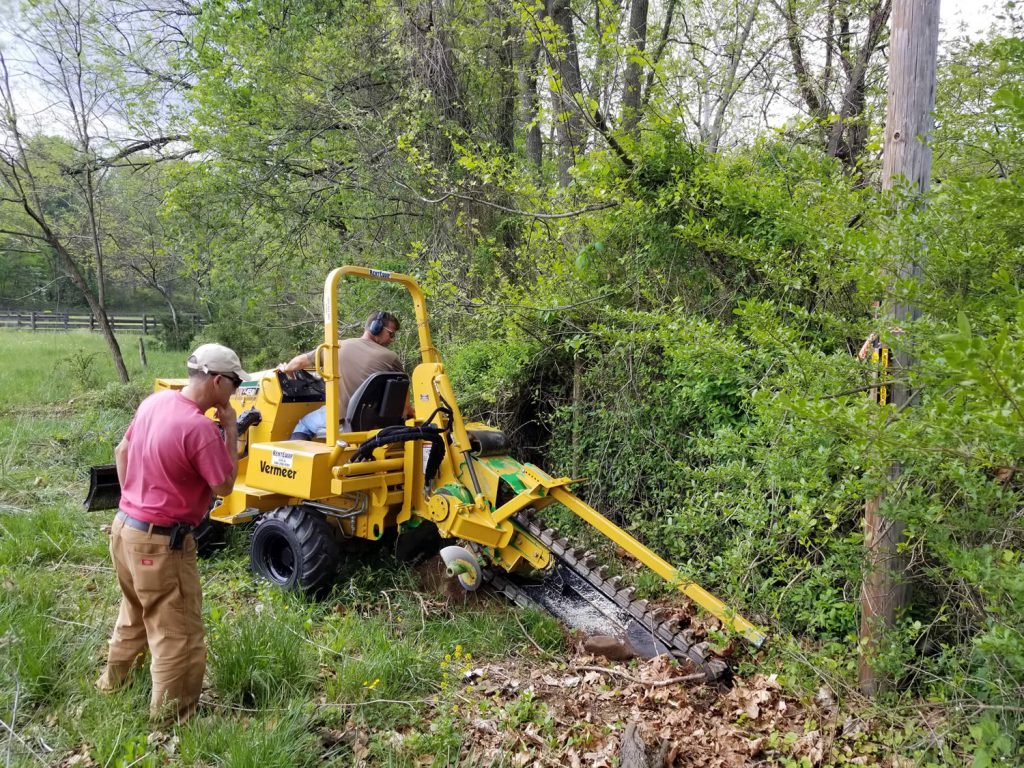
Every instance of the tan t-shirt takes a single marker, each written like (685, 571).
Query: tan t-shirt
(358, 359)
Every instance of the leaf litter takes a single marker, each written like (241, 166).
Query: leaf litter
(753, 723)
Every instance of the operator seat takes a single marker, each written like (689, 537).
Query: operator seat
(378, 402)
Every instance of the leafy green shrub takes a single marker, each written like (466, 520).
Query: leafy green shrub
(501, 381)
(258, 345)
(179, 339)
(709, 391)
(82, 369)
(961, 446)
(121, 397)
(679, 432)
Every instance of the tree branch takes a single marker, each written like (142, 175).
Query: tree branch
(692, 678)
(16, 233)
(516, 211)
(131, 149)
(803, 77)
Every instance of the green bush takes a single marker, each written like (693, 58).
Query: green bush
(702, 375)
(180, 338)
(82, 369)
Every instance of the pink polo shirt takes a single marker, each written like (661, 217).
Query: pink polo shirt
(175, 453)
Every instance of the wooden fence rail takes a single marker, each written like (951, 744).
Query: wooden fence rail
(45, 320)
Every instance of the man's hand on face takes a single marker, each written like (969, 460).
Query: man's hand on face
(227, 418)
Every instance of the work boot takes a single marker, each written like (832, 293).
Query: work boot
(115, 674)
(169, 712)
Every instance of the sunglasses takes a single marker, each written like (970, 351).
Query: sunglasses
(235, 381)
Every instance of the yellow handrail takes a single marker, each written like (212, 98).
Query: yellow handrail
(328, 367)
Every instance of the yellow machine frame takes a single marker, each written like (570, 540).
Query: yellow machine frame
(473, 497)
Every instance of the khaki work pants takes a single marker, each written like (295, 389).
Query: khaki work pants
(161, 607)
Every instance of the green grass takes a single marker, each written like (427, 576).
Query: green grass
(281, 669)
(262, 656)
(42, 368)
(284, 740)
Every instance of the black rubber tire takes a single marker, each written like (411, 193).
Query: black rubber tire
(210, 537)
(295, 548)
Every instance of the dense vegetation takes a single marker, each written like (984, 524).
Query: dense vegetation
(638, 280)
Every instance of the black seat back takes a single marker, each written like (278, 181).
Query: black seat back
(379, 402)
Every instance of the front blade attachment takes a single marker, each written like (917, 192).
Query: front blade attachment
(104, 488)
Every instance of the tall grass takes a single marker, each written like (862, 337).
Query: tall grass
(281, 740)
(281, 669)
(261, 657)
(43, 652)
(41, 368)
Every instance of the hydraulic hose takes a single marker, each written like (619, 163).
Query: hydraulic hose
(403, 434)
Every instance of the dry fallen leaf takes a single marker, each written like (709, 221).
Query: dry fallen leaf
(485, 726)
(78, 758)
(812, 746)
(825, 699)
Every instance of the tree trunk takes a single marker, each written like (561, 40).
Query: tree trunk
(65, 38)
(170, 305)
(848, 133)
(94, 231)
(568, 94)
(814, 99)
(659, 51)
(427, 28)
(97, 309)
(505, 130)
(913, 54)
(577, 404)
(732, 83)
(843, 134)
(631, 81)
(531, 107)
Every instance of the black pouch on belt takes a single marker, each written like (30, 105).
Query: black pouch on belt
(178, 533)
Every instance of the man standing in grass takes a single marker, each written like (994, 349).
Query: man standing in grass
(170, 461)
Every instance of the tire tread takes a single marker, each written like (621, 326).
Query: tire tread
(318, 551)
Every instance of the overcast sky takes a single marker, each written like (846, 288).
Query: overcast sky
(974, 15)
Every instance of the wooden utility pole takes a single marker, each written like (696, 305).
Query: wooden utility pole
(907, 163)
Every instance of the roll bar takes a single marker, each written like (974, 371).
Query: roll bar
(325, 357)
